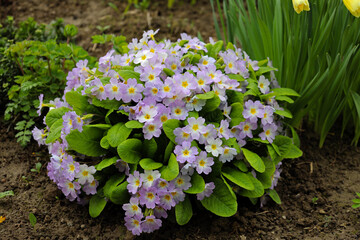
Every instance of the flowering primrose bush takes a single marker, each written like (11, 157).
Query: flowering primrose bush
(167, 124)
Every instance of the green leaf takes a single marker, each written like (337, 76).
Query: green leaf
(54, 115)
(293, 152)
(236, 114)
(221, 202)
(284, 113)
(6, 193)
(255, 161)
(86, 142)
(112, 183)
(266, 177)
(149, 164)
(55, 131)
(96, 205)
(134, 124)
(126, 74)
(183, 211)
(120, 194)
(168, 72)
(130, 150)
(101, 126)
(107, 104)
(240, 164)
(104, 143)
(106, 163)
(169, 149)
(169, 127)
(170, 171)
(77, 101)
(284, 98)
(236, 77)
(197, 184)
(239, 178)
(117, 134)
(150, 147)
(257, 192)
(32, 219)
(285, 92)
(263, 70)
(274, 196)
(206, 96)
(211, 104)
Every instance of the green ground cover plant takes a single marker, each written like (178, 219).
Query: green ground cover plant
(166, 127)
(317, 53)
(35, 59)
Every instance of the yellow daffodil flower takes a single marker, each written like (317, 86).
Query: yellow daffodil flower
(301, 5)
(2, 219)
(353, 6)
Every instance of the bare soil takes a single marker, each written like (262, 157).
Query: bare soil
(316, 190)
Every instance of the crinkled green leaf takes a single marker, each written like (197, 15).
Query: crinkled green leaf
(197, 184)
(183, 211)
(130, 150)
(170, 171)
(255, 161)
(96, 205)
(149, 164)
(117, 134)
(239, 178)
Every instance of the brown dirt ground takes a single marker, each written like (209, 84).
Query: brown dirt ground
(330, 174)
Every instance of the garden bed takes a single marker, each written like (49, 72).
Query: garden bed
(316, 201)
(316, 190)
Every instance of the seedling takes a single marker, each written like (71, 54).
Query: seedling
(32, 219)
(37, 168)
(7, 193)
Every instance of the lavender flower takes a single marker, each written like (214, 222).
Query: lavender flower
(209, 187)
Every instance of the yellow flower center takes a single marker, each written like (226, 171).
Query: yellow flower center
(173, 66)
(134, 208)
(131, 90)
(101, 89)
(85, 173)
(167, 197)
(202, 163)
(72, 167)
(213, 147)
(195, 127)
(137, 183)
(185, 84)
(71, 185)
(143, 57)
(205, 62)
(166, 89)
(114, 88)
(230, 65)
(226, 151)
(253, 111)
(151, 127)
(150, 178)
(267, 132)
(246, 128)
(179, 181)
(163, 118)
(186, 152)
(178, 111)
(201, 82)
(150, 196)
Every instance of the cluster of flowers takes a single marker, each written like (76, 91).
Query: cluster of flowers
(153, 99)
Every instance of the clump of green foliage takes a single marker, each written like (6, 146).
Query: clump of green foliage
(317, 53)
(35, 58)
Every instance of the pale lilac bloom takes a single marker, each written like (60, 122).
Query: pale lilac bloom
(182, 182)
(253, 64)
(70, 168)
(113, 89)
(135, 182)
(253, 110)
(99, 90)
(186, 82)
(209, 187)
(178, 110)
(149, 177)
(153, 90)
(152, 129)
(90, 188)
(41, 104)
(133, 224)
(205, 61)
(223, 130)
(226, 110)
(268, 115)
(125, 60)
(147, 114)
(209, 132)
(39, 135)
(150, 224)
(173, 63)
(122, 166)
(203, 81)
(163, 114)
(276, 175)
(161, 185)
(160, 212)
(151, 75)
(263, 85)
(187, 169)
(214, 146)
(166, 88)
(203, 163)
(269, 132)
(246, 129)
(142, 57)
(227, 154)
(85, 174)
(182, 136)
(132, 91)
(177, 194)
(185, 153)
(150, 34)
(166, 200)
(132, 209)
(195, 127)
(70, 189)
(134, 45)
(148, 197)
(195, 104)
(221, 93)
(214, 74)
(69, 119)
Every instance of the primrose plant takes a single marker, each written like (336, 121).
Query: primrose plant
(167, 124)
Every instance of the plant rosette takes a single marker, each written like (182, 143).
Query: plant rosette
(165, 125)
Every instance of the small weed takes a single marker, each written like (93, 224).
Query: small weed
(314, 200)
(32, 219)
(37, 168)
